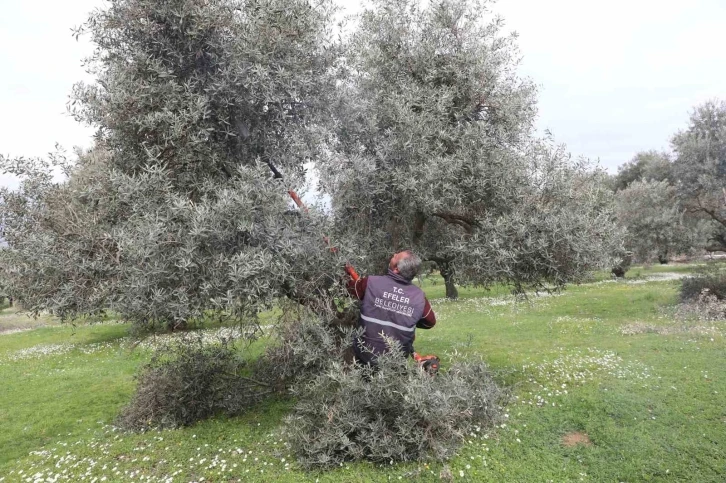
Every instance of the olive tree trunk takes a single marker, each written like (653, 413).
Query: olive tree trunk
(663, 258)
(447, 271)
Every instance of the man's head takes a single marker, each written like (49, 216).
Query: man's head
(406, 264)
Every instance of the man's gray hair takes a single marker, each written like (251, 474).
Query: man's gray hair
(409, 266)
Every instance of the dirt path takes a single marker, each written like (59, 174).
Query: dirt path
(13, 321)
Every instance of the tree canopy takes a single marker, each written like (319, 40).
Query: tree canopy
(435, 152)
(645, 166)
(175, 212)
(700, 168)
(654, 221)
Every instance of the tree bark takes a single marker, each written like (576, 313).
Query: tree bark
(418, 226)
(447, 271)
(174, 326)
(618, 272)
(466, 223)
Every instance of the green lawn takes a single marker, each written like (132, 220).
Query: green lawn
(650, 407)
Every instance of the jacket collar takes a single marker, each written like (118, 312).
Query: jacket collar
(397, 277)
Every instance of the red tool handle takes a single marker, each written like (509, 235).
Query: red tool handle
(351, 271)
(297, 201)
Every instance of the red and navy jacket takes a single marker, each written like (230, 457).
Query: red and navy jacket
(391, 306)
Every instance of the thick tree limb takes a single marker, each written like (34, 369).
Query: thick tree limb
(418, 226)
(438, 260)
(276, 174)
(466, 223)
(711, 213)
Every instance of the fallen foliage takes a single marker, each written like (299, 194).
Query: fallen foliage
(187, 381)
(393, 412)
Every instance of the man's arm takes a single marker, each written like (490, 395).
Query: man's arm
(357, 288)
(429, 317)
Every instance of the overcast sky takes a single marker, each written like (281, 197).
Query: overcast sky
(616, 77)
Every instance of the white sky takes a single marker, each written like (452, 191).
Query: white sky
(616, 77)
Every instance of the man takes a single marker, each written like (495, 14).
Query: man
(392, 306)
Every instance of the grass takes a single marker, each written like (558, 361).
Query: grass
(653, 406)
(13, 320)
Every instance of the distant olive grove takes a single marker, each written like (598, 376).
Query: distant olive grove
(673, 203)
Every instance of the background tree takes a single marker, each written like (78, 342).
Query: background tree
(435, 152)
(700, 168)
(59, 235)
(175, 213)
(645, 166)
(655, 224)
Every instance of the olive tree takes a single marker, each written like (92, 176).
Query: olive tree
(435, 152)
(700, 168)
(175, 213)
(645, 165)
(654, 221)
